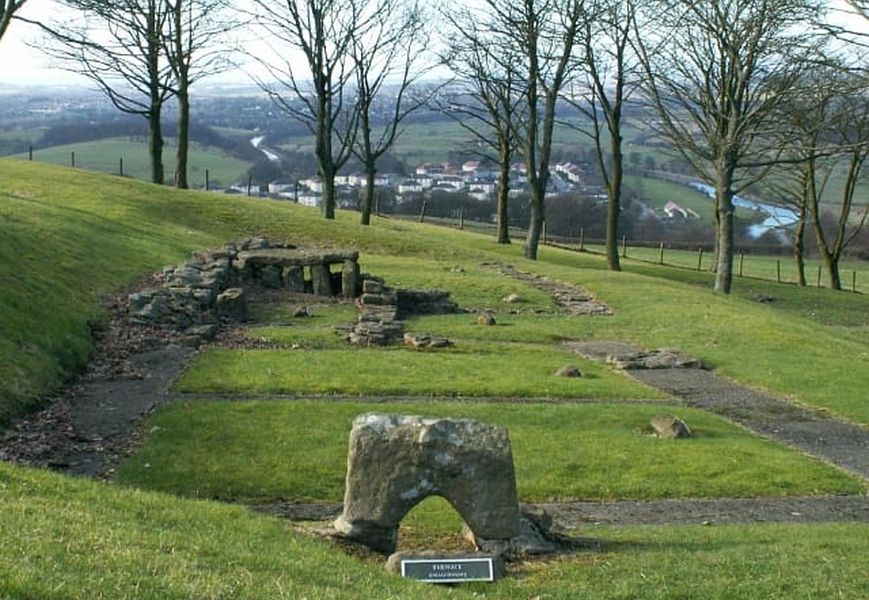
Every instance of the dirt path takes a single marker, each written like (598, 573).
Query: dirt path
(708, 511)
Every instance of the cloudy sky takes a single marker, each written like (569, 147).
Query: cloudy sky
(21, 64)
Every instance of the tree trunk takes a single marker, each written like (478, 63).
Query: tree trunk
(724, 232)
(799, 249)
(831, 261)
(503, 196)
(155, 146)
(183, 136)
(368, 197)
(535, 226)
(614, 205)
(327, 173)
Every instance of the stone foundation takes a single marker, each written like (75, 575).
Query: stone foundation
(208, 289)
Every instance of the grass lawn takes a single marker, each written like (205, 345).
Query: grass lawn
(468, 369)
(80, 539)
(265, 450)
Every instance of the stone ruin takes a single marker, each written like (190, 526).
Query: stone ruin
(381, 310)
(208, 289)
(396, 461)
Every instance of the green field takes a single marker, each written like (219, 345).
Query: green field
(263, 425)
(105, 156)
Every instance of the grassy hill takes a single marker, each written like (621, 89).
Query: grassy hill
(104, 156)
(67, 237)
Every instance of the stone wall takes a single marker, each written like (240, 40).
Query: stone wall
(209, 288)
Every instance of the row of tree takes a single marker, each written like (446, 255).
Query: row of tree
(735, 85)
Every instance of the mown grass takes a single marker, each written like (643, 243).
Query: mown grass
(467, 369)
(74, 538)
(264, 450)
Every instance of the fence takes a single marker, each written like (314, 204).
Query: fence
(750, 262)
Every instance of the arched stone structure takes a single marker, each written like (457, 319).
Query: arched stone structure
(397, 461)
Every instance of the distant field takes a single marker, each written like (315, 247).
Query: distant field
(104, 156)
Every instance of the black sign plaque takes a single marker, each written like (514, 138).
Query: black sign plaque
(448, 570)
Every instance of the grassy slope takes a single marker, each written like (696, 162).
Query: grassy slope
(68, 236)
(80, 539)
(63, 231)
(103, 156)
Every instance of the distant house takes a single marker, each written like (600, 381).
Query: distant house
(410, 186)
(673, 210)
(281, 187)
(482, 189)
(313, 184)
(310, 198)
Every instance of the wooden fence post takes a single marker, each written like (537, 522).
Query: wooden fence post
(30, 154)
(741, 260)
(206, 180)
(661, 257)
(581, 239)
(854, 281)
(462, 217)
(72, 159)
(422, 211)
(121, 166)
(778, 271)
(819, 275)
(700, 258)
(624, 246)
(249, 182)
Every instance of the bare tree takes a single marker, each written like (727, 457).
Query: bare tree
(849, 131)
(609, 69)
(194, 51)
(323, 31)
(716, 73)
(544, 34)
(118, 44)
(485, 98)
(8, 8)
(388, 53)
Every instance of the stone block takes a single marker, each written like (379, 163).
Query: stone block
(295, 279)
(396, 461)
(321, 280)
(350, 279)
(668, 426)
(232, 305)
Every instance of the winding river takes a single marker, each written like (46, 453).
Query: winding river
(777, 216)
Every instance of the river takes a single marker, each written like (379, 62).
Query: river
(271, 155)
(777, 216)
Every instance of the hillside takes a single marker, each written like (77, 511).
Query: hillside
(269, 424)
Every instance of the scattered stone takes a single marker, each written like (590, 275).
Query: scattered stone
(764, 298)
(670, 427)
(663, 358)
(573, 300)
(487, 319)
(396, 461)
(379, 323)
(568, 371)
(302, 311)
(512, 299)
(425, 340)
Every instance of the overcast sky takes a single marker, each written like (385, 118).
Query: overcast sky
(23, 65)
